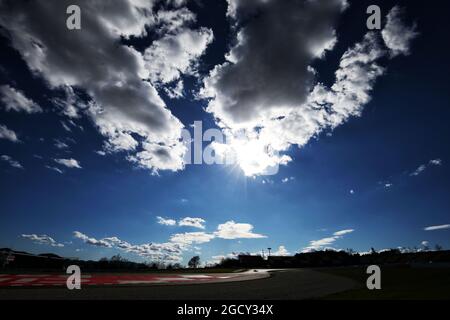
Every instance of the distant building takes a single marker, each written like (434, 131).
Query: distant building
(280, 261)
(251, 261)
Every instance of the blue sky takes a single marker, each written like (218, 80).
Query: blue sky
(367, 168)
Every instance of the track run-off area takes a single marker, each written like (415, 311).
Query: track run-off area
(58, 280)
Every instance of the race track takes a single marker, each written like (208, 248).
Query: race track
(280, 284)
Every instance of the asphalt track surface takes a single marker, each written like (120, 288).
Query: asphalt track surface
(277, 285)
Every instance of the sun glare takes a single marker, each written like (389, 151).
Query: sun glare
(253, 156)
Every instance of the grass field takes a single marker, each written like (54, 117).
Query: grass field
(397, 283)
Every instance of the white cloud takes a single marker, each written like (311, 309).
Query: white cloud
(13, 163)
(425, 243)
(233, 230)
(173, 21)
(265, 105)
(282, 251)
(168, 252)
(287, 179)
(218, 258)
(60, 144)
(42, 239)
(65, 126)
(436, 162)
(55, 169)
(160, 157)
(324, 243)
(178, 244)
(189, 238)
(15, 100)
(176, 91)
(438, 227)
(126, 109)
(343, 232)
(396, 35)
(423, 167)
(267, 181)
(173, 55)
(227, 230)
(92, 241)
(166, 222)
(183, 222)
(419, 170)
(8, 134)
(192, 222)
(69, 163)
(71, 105)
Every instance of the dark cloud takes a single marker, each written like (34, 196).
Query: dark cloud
(268, 67)
(266, 95)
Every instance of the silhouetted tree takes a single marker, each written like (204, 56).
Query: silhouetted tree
(194, 262)
(118, 258)
(3, 258)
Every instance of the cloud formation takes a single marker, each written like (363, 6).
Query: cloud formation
(92, 241)
(168, 252)
(13, 163)
(396, 35)
(423, 167)
(175, 54)
(8, 134)
(438, 227)
(69, 163)
(227, 230)
(282, 251)
(343, 232)
(326, 242)
(233, 230)
(287, 179)
(192, 222)
(189, 238)
(42, 239)
(265, 95)
(266, 73)
(60, 144)
(55, 169)
(183, 222)
(125, 107)
(166, 222)
(178, 243)
(15, 100)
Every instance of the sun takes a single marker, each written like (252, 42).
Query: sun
(255, 157)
